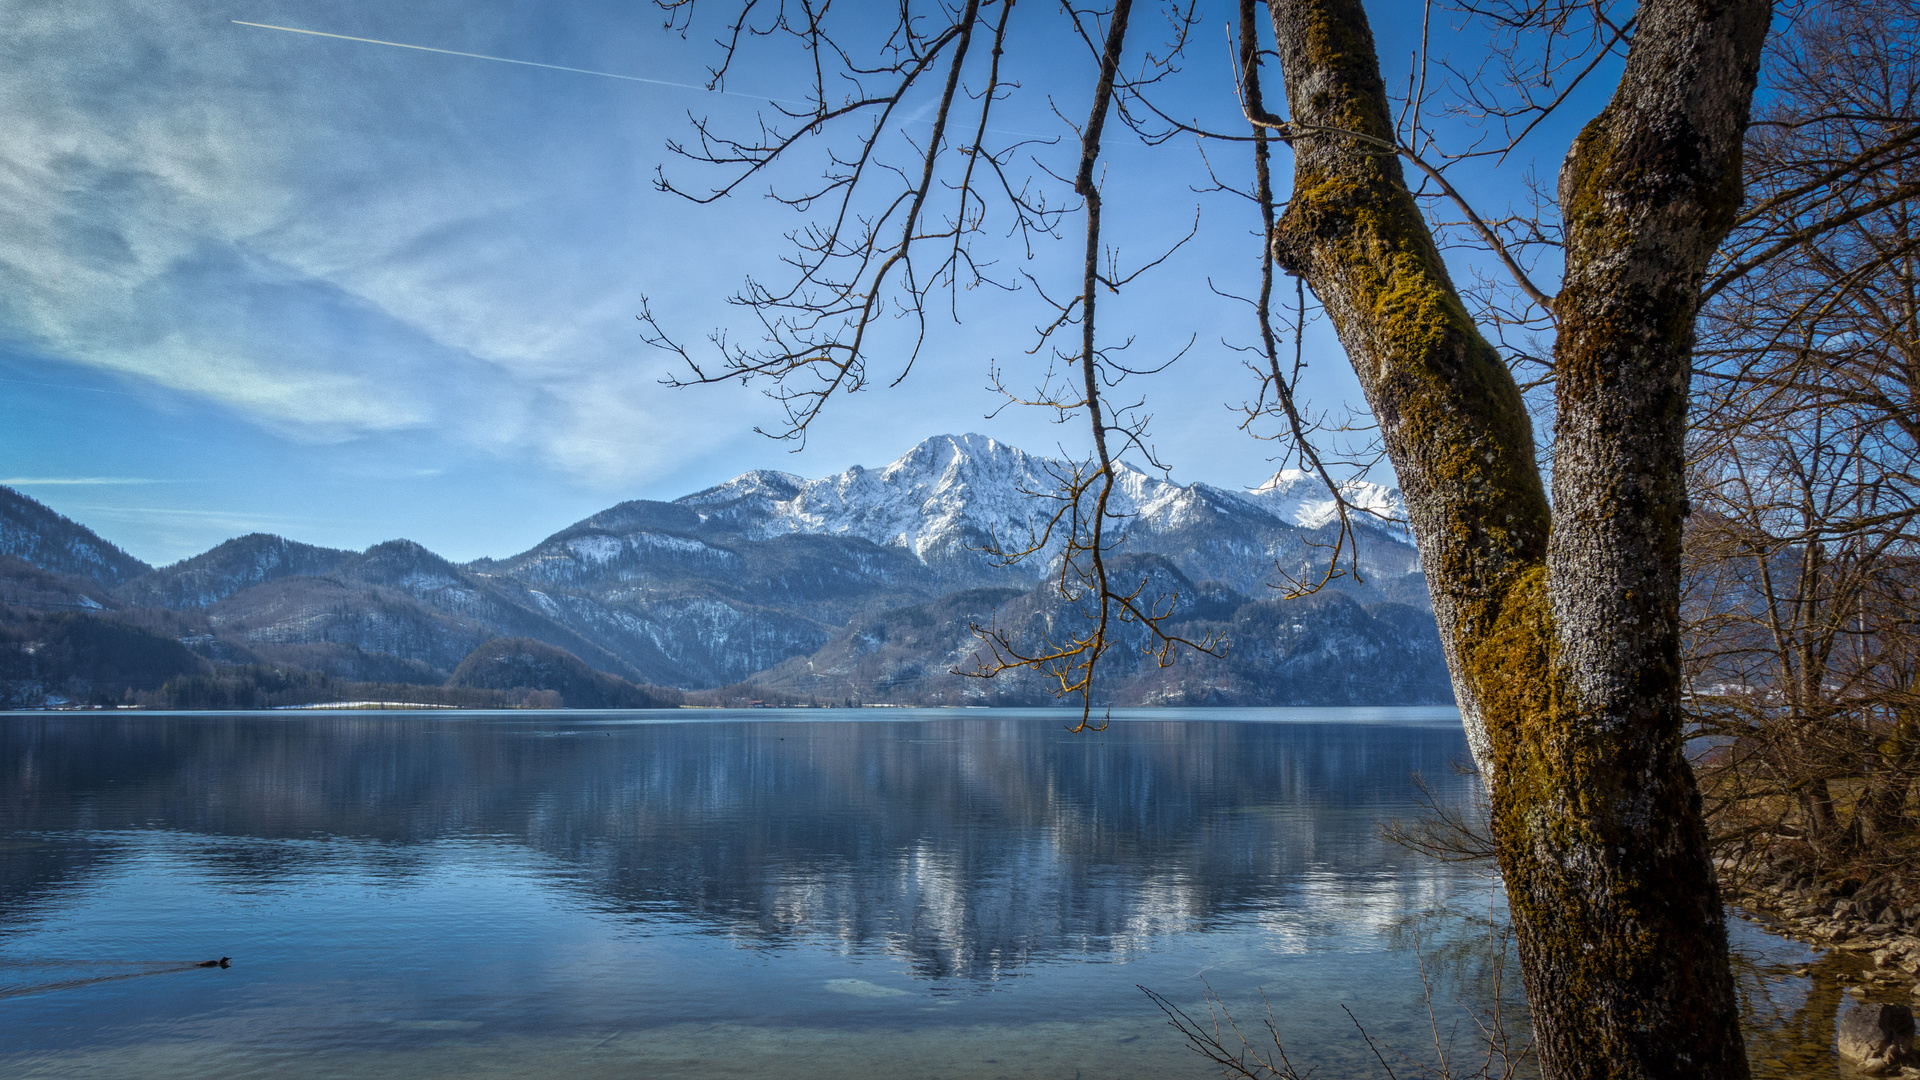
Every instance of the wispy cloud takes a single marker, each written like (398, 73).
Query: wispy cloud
(69, 386)
(347, 235)
(329, 243)
(233, 521)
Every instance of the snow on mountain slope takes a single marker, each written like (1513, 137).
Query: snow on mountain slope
(943, 494)
(946, 495)
(36, 535)
(240, 563)
(1298, 497)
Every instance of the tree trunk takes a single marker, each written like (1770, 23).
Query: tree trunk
(1882, 814)
(1816, 804)
(1561, 634)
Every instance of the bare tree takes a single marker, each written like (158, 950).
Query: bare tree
(1560, 627)
(1806, 445)
(902, 215)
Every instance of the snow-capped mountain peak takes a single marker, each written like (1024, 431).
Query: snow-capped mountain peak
(949, 493)
(1301, 498)
(941, 497)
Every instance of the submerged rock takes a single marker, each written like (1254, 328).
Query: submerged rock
(1877, 1037)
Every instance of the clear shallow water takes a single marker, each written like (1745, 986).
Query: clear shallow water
(817, 893)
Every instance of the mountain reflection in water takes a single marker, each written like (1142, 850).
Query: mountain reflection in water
(401, 892)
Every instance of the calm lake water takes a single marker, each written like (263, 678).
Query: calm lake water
(869, 893)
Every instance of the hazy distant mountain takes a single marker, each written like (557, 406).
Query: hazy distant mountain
(769, 572)
(1325, 649)
(393, 613)
(218, 573)
(400, 599)
(34, 534)
(696, 606)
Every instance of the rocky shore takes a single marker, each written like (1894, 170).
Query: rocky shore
(1877, 919)
(1869, 929)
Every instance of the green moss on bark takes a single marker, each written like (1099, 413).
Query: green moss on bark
(1595, 812)
(1449, 406)
(1597, 825)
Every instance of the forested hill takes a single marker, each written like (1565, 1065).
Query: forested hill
(34, 534)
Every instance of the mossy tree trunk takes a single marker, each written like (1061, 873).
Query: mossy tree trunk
(1561, 629)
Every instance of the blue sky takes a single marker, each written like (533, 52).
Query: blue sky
(256, 280)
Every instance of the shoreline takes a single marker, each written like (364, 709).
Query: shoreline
(1866, 921)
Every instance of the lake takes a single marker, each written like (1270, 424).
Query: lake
(807, 893)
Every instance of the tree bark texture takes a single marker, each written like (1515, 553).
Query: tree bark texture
(1561, 628)
(1451, 415)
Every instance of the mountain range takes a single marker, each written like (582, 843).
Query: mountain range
(864, 586)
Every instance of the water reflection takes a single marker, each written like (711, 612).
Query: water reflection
(987, 853)
(971, 845)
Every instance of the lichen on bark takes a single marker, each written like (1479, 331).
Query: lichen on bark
(1560, 629)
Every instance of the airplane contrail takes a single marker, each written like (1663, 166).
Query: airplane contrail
(509, 60)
